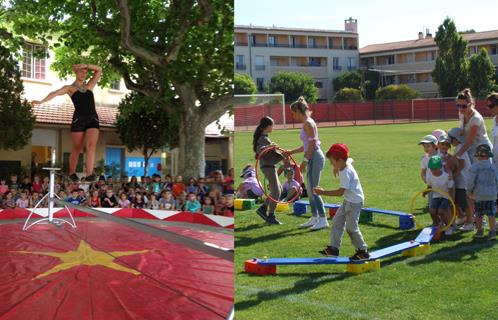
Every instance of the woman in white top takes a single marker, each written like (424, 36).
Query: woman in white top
(474, 128)
(492, 101)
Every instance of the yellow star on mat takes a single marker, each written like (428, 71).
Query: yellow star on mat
(85, 255)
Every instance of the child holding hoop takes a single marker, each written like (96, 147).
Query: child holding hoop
(267, 164)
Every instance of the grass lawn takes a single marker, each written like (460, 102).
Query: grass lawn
(457, 280)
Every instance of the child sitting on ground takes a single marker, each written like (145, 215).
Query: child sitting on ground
(74, 199)
(153, 203)
(249, 187)
(291, 187)
(439, 205)
(192, 204)
(349, 213)
(167, 202)
(465, 215)
(3, 186)
(123, 201)
(207, 207)
(23, 201)
(483, 183)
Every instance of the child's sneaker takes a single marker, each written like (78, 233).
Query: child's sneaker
(479, 234)
(311, 222)
(449, 231)
(360, 255)
(320, 224)
(272, 219)
(492, 235)
(262, 212)
(330, 251)
(467, 227)
(460, 220)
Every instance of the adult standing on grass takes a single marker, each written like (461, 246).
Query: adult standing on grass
(492, 101)
(313, 162)
(85, 123)
(474, 128)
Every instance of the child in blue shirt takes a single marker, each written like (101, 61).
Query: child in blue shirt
(192, 204)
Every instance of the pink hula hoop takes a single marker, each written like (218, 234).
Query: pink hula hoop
(267, 149)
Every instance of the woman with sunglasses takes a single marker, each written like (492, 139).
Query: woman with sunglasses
(474, 128)
(492, 101)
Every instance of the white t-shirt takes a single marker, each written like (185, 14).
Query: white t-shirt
(481, 136)
(494, 133)
(351, 182)
(442, 182)
(424, 161)
(461, 179)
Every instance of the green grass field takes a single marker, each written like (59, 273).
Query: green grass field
(457, 280)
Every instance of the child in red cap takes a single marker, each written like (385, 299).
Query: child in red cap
(349, 213)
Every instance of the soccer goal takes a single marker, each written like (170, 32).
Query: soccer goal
(250, 108)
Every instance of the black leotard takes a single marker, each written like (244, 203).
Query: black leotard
(84, 103)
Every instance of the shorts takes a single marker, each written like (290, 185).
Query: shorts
(461, 199)
(439, 203)
(485, 208)
(82, 123)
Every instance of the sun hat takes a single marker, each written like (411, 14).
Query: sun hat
(483, 150)
(444, 138)
(428, 139)
(339, 151)
(435, 162)
(456, 133)
(438, 132)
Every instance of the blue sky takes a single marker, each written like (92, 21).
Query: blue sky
(379, 21)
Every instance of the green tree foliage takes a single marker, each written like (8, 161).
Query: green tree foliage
(293, 85)
(243, 84)
(371, 84)
(350, 79)
(481, 74)
(142, 127)
(450, 72)
(168, 50)
(348, 95)
(16, 117)
(396, 92)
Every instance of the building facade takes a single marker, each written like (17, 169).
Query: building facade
(263, 52)
(53, 120)
(411, 62)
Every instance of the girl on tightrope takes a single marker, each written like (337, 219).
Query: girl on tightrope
(85, 123)
(313, 162)
(267, 164)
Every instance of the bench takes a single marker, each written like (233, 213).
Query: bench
(406, 221)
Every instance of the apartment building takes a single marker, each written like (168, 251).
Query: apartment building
(411, 62)
(263, 52)
(53, 120)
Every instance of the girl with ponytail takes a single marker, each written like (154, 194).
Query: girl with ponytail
(267, 164)
(472, 122)
(313, 162)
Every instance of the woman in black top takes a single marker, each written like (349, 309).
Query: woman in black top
(85, 122)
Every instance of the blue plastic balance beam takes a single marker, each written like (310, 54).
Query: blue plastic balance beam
(426, 235)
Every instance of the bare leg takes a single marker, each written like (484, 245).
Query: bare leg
(92, 137)
(478, 222)
(492, 223)
(434, 216)
(77, 140)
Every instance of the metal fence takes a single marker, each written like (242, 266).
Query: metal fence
(352, 114)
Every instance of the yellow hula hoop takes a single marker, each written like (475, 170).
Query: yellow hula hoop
(444, 194)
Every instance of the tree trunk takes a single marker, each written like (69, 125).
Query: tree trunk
(191, 145)
(146, 160)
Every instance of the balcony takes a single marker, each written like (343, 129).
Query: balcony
(260, 67)
(337, 68)
(336, 47)
(298, 45)
(350, 68)
(241, 43)
(240, 66)
(351, 47)
(318, 46)
(260, 44)
(278, 45)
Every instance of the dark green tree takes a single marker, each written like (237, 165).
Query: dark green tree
(450, 72)
(350, 79)
(293, 85)
(178, 49)
(370, 84)
(481, 73)
(142, 127)
(16, 117)
(243, 84)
